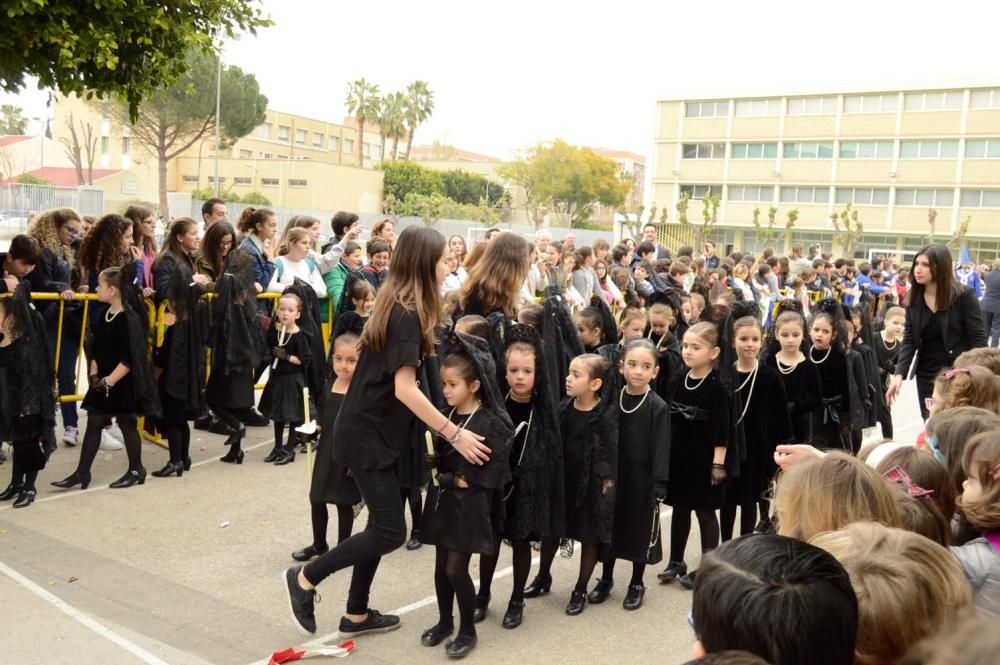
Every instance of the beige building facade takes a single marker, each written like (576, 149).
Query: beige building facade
(897, 154)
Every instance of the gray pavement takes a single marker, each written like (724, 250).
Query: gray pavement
(187, 572)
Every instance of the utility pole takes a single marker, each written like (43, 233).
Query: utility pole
(218, 119)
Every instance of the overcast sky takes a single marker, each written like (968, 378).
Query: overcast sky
(510, 74)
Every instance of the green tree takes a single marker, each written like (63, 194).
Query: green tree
(848, 229)
(793, 217)
(566, 180)
(12, 120)
(470, 188)
(126, 48)
(403, 178)
(363, 103)
(392, 122)
(174, 118)
(709, 217)
(419, 107)
(682, 208)
(28, 179)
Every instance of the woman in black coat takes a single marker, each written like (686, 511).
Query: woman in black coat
(991, 304)
(943, 320)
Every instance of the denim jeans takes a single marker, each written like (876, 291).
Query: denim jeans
(67, 371)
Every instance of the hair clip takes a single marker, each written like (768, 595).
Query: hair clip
(898, 475)
(952, 373)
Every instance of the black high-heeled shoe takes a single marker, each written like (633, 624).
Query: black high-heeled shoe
(170, 469)
(577, 601)
(286, 456)
(25, 499)
(187, 463)
(601, 591)
(461, 646)
(274, 454)
(482, 605)
(131, 477)
(539, 586)
(231, 458)
(74, 479)
(514, 615)
(11, 491)
(434, 635)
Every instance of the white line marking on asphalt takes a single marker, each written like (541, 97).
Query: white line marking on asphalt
(82, 618)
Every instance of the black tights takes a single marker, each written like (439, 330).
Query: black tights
(18, 476)
(231, 417)
(178, 435)
(92, 441)
(680, 528)
(638, 570)
(522, 568)
(451, 580)
(321, 518)
(588, 561)
(727, 519)
(411, 495)
(279, 430)
(549, 549)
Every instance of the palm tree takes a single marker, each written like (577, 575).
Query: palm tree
(363, 102)
(392, 121)
(419, 106)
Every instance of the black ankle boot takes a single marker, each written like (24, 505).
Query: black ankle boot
(482, 605)
(633, 599)
(601, 591)
(286, 456)
(514, 615)
(234, 456)
(170, 469)
(74, 479)
(273, 455)
(11, 491)
(131, 477)
(25, 498)
(577, 601)
(539, 586)
(673, 570)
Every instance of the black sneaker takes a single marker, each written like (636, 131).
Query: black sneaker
(302, 603)
(375, 623)
(673, 570)
(253, 418)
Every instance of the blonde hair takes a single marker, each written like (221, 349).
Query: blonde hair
(706, 332)
(662, 309)
(969, 386)
(293, 235)
(629, 315)
(907, 586)
(829, 493)
(984, 356)
(982, 459)
(894, 311)
(497, 277)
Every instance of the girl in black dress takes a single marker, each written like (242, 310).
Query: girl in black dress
(700, 430)
(534, 500)
(643, 470)
(27, 407)
(282, 400)
(464, 511)
(832, 423)
(331, 481)
(763, 415)
(800, 378)
(121, 384)
(855, 351)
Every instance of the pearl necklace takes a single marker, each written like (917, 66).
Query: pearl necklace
(819, 362)
(752, 380)
(527, 432)
(621, 401)
(594, 407)
(697, 385)
(781, 368)
(464, 424)
(895, 343)
(283, 337)
(113, 316)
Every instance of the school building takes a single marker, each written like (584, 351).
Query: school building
(900, 155)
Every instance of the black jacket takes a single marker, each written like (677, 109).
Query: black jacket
(164, 271)
(962, 328)
(991, 301)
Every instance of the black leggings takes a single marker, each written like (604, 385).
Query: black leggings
(321, 519)
(96, 423)
(522, 568)
(385, 531)
(279, 429)
(411, 495)
(748, 518)
(229, 416)
(638, 570)
(680, 528)
(451, 580)
(174, 427)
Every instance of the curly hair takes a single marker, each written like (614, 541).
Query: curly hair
(45, 229)
(102, 248)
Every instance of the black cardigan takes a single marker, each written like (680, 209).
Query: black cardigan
(962, 327)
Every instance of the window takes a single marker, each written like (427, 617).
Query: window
(866, 149)
(703, 151)
(926, 198)
(104, 145)
(698, 191)
(982, 148)
(932, 101)
(294, 182)
(246, 154)
(985, 99)
(266, 155)
(758, 107)
(808, 151)
(863, 195)
(805, 194)
(706, 109)
(870, 103)
(349, 146)
(812, 105)
(190, 179)
(222, 180)
(243, 181)
(317, 139)
(928, 149)
(334, 143)
(264, 131)
(754, 151)
(300, 136)
(980, 198)
(750, 193)
(269, 182)
(126, 144)
(283, 133)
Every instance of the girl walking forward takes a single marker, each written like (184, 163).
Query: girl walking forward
(643, 470)
(331, 481)
(832, 424)
(799, 377)
(282, 400)
(374, 424)
(465, 508)
(121, 384)
(700, 425)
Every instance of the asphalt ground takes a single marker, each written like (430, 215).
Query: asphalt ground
(187, 571)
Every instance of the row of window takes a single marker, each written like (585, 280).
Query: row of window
(302, 136)
(933, 149)
(265, 182)
(827, 105)
(912, 197)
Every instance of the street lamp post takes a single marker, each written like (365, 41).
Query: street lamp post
(218, 119)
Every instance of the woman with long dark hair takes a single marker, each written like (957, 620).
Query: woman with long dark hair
(144, 238)
(219, 240)
(181, 244)
(943, 320)
(379, 410)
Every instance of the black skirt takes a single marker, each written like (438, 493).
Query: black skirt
(230, 391)
(282, 399)
(331, 481)
(462, 520)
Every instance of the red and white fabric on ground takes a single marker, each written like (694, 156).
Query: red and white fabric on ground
(300, 653)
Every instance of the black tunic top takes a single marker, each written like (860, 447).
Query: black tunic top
(111, 348)
(699, 424)
(886, 358)
(282, 399)
(331, 481)
(804, 395)
(583, 523)
(374, 426)
(933, 354)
